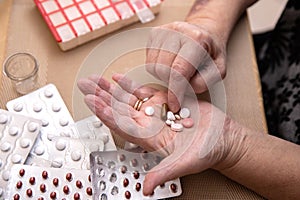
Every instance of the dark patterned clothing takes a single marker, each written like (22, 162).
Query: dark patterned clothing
(278, 58)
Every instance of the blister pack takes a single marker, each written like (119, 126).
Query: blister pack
(17, 136)
(120, 175)
(47, 105)
(32, 182)
(92, 128)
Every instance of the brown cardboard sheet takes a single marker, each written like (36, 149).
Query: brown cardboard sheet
(28, 32)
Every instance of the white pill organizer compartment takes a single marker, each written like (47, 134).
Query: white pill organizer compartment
(17, 136)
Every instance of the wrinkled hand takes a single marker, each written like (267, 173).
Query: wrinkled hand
(181, 53)
(193, 150)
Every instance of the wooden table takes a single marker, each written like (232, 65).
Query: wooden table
(242, 84)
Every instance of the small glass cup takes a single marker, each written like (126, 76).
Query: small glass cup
(22, 69)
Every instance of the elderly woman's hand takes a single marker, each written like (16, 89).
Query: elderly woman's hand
(181, 53)
(207, 144)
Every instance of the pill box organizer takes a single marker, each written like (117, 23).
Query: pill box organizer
(17, 136)
(41, 183)
(74, 22)
(120, 175)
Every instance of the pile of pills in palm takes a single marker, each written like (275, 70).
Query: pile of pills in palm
(177, 121)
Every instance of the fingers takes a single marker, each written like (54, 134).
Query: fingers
(132, 87)
(180, 76)
(167, 170)
(88, 87)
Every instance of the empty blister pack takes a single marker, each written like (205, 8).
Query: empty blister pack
(120, 175)
(47, 105)
(32, 182)
(92, 128)
(18, 134)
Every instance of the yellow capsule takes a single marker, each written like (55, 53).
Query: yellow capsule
(164, 111)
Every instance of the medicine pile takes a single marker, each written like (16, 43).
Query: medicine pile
(73, 23)
(177, 121)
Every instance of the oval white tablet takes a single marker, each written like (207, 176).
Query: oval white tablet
(176, 127)
(45, 123)
(57, 163)
(6, 175)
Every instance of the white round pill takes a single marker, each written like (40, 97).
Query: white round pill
(48, 93)
(13, 131)
(76, 155)
(176, 127)
(149, 110)
(57, 163)
(6, 175)
(5, 146)
(37, 107)
(18, 107)
(170, 116)
(97, 124)
(32, 126)
(45, 123)
(184, 113)
(39, 150)
(16, 158)
(56, 107)
(25, 142)
(63, 122)
(61, 144)
(3, 119)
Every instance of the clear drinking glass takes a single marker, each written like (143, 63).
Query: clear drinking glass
(22, 69)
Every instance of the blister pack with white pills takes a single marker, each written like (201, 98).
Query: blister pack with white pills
(47, 105)
(120, 175)
(18, 134)
(69, 153)
(41, 183)
(92, 128)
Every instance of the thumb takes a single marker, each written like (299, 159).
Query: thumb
(168, 169)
